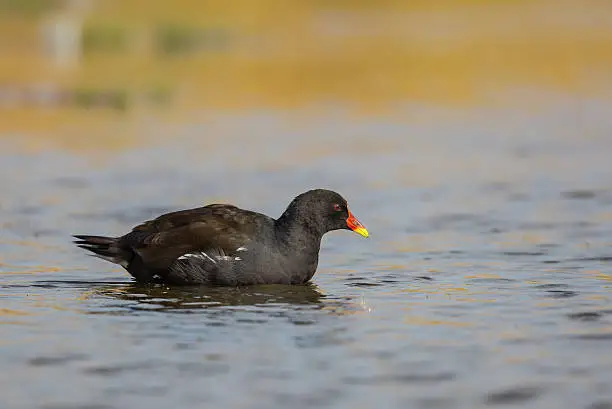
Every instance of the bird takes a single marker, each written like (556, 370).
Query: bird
(224, 245)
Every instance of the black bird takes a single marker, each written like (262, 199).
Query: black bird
(221, 244)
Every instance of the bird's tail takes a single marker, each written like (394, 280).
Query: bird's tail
(106, 248)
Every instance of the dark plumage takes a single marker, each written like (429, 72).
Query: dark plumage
(221, 244)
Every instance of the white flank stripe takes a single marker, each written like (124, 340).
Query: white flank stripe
(201, 255)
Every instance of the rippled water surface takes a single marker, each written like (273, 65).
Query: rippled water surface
(486, 280)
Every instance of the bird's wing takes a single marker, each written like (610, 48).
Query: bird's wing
(159, 242)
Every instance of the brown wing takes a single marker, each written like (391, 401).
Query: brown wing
(160, 241)
(184, 217)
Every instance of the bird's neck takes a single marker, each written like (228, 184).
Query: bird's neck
(301, 243)
(297, 236)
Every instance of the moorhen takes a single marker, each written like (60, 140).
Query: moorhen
(221, 244)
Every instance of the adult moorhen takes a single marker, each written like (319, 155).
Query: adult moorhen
(221, 244)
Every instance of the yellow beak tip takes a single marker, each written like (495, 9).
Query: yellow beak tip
(362, 232)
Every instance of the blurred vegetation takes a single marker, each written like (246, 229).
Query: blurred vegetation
(372, 55)
(175, 39)
(106, 38)
(29, 7)
(88, 98)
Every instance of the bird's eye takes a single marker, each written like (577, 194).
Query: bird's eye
(337, 207)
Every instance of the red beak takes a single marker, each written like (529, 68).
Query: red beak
(354, 224)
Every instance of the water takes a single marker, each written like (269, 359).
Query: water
(486, 280)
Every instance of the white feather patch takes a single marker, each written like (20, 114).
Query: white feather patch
(116, 260)
(200, 256)
(203, 256)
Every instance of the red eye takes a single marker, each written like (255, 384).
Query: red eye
(337, 207)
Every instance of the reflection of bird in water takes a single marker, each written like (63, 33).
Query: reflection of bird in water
(208, 297)
(170, 299)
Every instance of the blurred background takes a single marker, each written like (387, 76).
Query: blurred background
(471, 137)
(69, 65)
